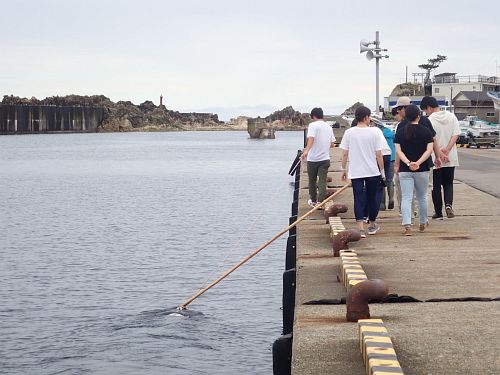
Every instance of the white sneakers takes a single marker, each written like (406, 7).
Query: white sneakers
(311, 203)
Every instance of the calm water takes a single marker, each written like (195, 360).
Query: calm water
(103, 234)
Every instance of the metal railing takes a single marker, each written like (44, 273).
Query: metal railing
(467, 79)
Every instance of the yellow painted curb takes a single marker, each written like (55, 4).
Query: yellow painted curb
(336, 225)
(352, 270)
(376, 347)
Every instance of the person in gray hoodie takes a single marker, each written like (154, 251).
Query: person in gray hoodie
(447, 131)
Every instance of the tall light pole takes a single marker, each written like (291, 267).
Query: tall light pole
(374, 53)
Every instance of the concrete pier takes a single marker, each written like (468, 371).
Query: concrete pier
(453, 258)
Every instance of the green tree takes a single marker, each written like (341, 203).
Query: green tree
(430, 66)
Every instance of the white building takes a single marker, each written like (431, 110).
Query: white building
(449, 85)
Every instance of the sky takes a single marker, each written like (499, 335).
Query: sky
(237, 57)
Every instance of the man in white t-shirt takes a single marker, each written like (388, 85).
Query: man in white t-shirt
(447, 131)
(317, 153)
(362, 146)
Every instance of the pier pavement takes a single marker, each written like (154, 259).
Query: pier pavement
(454, 258)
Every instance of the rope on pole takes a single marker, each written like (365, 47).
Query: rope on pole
(184, 305)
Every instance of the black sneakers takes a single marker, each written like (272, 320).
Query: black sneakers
(437, 216)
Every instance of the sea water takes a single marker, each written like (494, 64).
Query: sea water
(103, 235)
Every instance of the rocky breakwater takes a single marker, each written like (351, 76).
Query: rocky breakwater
(265, 128)
(258, 128)
(126, 116)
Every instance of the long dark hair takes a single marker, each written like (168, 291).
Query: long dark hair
(412, 112)
(361, 113)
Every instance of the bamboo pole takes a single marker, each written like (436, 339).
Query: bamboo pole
(255, 252)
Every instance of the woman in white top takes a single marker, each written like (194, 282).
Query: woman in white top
(363, 146)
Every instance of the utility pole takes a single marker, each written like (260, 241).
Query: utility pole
(374, 53)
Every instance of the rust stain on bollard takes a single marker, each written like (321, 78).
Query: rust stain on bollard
(340, 241)
(359, 296)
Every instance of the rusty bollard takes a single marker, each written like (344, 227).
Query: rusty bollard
(340, 240)
(330, 191)
(359, 296)
(334, 210)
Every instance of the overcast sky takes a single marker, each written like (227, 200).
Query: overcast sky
(236, 57)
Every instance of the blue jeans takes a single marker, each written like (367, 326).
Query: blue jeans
(367, 192)
(419, 182)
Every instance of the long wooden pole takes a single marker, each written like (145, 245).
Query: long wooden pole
(247, 258)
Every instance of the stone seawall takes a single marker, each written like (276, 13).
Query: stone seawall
(19, 119)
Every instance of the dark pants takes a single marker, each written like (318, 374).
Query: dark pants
(317, 170)
(442, 177)
(389, 179)
(367, 193)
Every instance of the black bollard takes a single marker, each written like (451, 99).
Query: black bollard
(291, 252)
(289, 278)
(296, 194)
(282, 355)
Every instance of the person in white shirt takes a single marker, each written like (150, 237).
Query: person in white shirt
(447, 132)
(362, 146)
(317, 153)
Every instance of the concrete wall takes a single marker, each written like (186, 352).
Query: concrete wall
(15, 119)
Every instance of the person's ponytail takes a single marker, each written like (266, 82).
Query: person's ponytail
(412, 112)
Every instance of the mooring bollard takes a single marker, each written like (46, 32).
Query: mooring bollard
(340, 240)
(334, 210)
(330, 191)
(359, 296)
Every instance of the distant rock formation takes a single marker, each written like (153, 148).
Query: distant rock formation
(239, 123)
(352, 109)
(258, 128)
(288, 119)
(285, 119)
(126, 116)
(408, 89)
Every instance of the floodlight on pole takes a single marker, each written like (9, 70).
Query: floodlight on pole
(374, 53)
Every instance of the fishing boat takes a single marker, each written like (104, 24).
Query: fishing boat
(473, 125)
